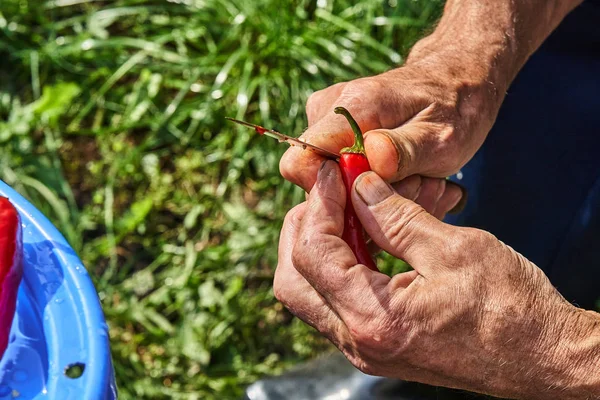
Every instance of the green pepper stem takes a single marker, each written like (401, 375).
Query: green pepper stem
(359, 145)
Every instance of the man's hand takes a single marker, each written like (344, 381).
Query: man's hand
(425, 119)
(431, 115)
(474, 314)
(419, 119)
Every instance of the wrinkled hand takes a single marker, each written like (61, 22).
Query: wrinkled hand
(427, 118)
(473, 314)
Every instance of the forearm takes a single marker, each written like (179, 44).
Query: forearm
(574, 370)
(555, 354)
(560, 358)
(490, 40)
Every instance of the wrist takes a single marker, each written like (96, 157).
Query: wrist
(472, 43)
(571, 366)
(477, 63)
(470, 71)
(490, 40)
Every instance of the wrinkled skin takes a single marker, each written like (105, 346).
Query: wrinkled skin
(430, 116)
(474, 314)
(420, 121)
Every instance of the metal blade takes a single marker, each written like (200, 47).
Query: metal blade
(292, 141)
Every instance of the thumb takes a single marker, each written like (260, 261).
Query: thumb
(332, 132)
(399, 226)
(413, 148)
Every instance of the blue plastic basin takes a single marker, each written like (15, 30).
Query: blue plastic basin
(58, 324)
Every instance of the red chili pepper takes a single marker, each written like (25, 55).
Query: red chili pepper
(353, 162)
(11, 269)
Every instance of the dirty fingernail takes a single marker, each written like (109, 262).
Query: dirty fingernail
(372, 189)
(326, 172)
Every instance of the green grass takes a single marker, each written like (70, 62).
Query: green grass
(112, 123)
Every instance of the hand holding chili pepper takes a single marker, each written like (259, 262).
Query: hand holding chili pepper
(418, 121)
(474, 314)
(11, 255)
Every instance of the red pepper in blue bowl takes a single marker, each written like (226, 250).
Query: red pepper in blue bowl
(11, 267)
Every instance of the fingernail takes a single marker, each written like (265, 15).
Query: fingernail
(372, 189)
(326, 173)
(323, 164)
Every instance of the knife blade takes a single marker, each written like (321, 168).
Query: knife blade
(292, 141)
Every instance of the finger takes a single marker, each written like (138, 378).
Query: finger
(323, 101)
(409, 187)
(431, 192)
(399, 226)
(293, 290)
(462, 202)
(437, 196)
(416, 147)
(450, 199)
(324, 259)
(300, 167)
(332, 132)
(403, 280)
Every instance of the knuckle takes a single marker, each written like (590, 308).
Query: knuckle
(299, 253)
(446, 135)
(377, 343)
(368, 335)
(460, 242)
(409, 187)
(362, 86)
(478, 239)
(314, 100)
(367, 343)
(290, 218)
(361, 91)
(279, 291)
(443, 108)
(287, 168)
(280, 287)
(293, 217)
(306, 249)
(365, 98)
(359, 362)
(468, 241)
(321, 98)
(399, 222)
(448, 142)
(365, 366)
